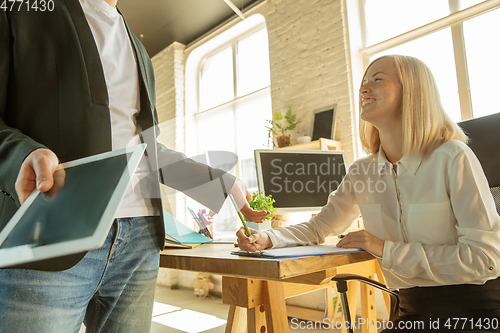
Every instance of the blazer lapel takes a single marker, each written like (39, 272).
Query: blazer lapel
(140, 60)
(95, 72)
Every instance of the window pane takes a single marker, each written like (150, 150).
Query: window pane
(482, 62)
(251, 114)
(217, 86)
(216, 130)
(469, 3)
(248, 173)
(388, 18)
(226, 223)
(253, 63)
(240, 125)
(436, 51)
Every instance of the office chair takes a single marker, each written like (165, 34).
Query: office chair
(341, 281)
(484, 139)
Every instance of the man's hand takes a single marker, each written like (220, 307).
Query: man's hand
(241, 196)
(364, 240)
(37, 172)
(261, 239)
(253, 215)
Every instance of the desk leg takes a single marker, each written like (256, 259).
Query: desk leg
(381, 279)
(330, 311)
(368, 311)
(274, 301)
(256, 319)
(236, 319)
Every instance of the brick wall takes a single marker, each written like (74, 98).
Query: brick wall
(169, 75)
(308, 63)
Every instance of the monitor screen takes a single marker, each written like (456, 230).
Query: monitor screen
(299, 180)
(323, 126)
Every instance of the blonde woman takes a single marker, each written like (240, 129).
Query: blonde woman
(429, 216)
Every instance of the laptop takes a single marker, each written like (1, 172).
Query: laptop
(76, 214)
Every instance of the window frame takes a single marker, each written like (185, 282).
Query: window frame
(454, 21)
(193, 55)
(233, 43)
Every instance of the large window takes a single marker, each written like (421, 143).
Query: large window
(453, 37)
(234, 103)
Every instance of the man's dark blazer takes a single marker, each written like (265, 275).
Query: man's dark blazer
(53, 95)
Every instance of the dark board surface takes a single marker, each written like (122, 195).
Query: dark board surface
(323, 124)
(300, 179)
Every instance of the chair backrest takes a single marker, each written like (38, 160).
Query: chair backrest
(484, 135)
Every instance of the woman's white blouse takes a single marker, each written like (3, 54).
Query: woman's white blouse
(436, 215)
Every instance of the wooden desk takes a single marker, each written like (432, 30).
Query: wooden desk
(256, 288)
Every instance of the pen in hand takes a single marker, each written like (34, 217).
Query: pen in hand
(242, 220)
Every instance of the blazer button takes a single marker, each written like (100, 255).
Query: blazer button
(490, 268)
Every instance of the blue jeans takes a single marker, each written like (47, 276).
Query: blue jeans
(111, 289)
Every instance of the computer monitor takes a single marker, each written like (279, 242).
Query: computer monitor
(299, 180)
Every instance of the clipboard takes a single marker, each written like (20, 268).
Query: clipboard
(297, 251)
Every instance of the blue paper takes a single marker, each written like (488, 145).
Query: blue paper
(178, 232)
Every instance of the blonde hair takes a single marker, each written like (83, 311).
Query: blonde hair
(425, 123)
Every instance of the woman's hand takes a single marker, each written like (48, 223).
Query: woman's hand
(364, 240)
(261, 239)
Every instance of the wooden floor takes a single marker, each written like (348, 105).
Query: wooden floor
(185, 299)
(210, 313)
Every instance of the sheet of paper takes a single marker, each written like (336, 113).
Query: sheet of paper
(298, 251)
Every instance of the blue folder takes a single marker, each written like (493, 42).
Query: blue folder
(177, 232)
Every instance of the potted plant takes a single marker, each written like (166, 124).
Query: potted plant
(280, 125)
(262, 202)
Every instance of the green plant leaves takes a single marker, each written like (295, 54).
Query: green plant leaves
(278, 126)
(277, 116)
(262, 202)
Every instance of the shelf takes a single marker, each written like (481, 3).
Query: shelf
(321, 144)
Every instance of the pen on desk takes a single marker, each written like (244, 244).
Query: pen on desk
(242, 219)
